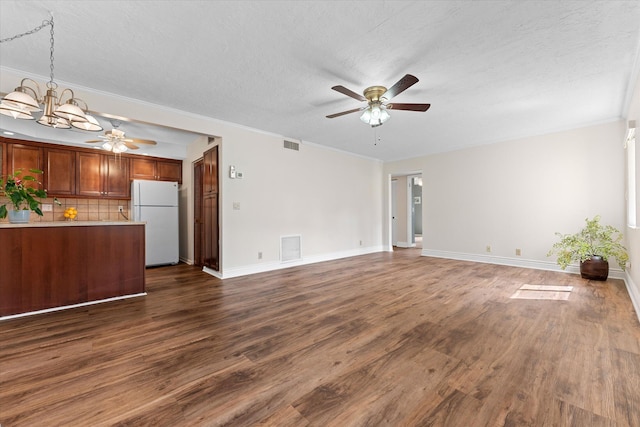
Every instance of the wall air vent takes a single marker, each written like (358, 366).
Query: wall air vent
(290, 248)
(291, 145)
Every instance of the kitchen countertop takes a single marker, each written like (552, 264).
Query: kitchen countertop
(68, 224)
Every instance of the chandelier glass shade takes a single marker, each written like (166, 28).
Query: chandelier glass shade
(375, 115)
(26, 99)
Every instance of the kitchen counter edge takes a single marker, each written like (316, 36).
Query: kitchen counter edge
(69, 224)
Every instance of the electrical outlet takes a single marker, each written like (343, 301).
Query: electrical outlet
(120, 209)
(488, 248)
(360, 242)
(46, 207)
(236, 206)
(518, 252)
(259, 255)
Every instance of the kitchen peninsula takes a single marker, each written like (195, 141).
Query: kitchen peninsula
(48, 265)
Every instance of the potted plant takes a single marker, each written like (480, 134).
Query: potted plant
(21, 196)
(592, 247)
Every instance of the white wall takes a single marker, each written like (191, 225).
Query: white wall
(517, 194)
(332, 199)
(633, 234)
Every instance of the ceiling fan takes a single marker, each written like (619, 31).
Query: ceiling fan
(114, 140)
(377, 97)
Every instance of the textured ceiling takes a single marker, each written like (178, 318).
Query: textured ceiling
(492, 70)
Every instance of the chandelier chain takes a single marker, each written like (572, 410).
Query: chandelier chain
(44, 24)
(51, 84)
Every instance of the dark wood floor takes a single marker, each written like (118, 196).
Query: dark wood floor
(387, 339)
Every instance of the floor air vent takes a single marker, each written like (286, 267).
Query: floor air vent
(291, 145)
(290, 248)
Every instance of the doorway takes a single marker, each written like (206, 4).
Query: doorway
(406, 206)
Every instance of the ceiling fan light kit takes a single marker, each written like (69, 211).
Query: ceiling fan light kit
(25, 99)
(376, 112)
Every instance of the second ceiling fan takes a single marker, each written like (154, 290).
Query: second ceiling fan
(115, 141)
(377, 97)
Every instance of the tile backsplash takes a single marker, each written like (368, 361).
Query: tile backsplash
(88, 209)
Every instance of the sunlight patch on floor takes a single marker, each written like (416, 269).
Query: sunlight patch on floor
(543, 292)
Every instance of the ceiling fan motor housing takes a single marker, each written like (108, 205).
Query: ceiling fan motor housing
(374, 93)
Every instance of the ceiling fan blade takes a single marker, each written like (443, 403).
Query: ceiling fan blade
(331, 116)
(409, 107)
(403, 84)
(130, 146)
(91, 141)
(140, 141)
(343, 90)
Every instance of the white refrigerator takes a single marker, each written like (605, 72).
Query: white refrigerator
(156, 204)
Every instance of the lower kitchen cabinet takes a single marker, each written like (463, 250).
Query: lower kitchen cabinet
(76, 263)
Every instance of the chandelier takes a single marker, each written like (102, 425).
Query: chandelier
(59, 112)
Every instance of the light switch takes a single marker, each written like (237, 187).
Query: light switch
(236, 206)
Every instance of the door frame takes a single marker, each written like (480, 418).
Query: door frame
(410, 235)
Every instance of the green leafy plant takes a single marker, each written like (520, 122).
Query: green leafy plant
(21, 195)
(594, 239)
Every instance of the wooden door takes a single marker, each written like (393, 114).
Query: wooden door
(211, 250)
(198, 214)
(206, 227)
(210, 178)
(60, 172)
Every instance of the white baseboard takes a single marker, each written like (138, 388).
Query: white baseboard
(405, 245)
(228, 273)
(634, 293)
(614, 273)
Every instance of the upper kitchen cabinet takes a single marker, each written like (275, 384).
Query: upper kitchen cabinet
(25, 157)
(60, 172)
(102, 175)
(156, 169)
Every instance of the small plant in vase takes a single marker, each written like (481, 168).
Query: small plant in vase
(22, 197)
(591, 247)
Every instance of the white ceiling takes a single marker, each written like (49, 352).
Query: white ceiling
(492, 70)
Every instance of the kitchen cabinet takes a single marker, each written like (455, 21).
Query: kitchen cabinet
(157, 169)
(3, 150)
(25, 157)
(102, 175)
(60, 172)
(76, 263)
